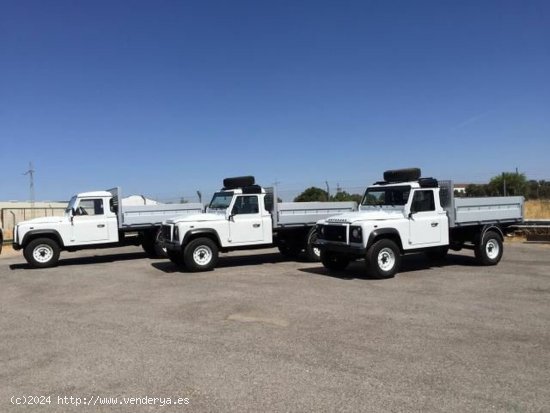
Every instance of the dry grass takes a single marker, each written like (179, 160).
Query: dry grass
(537, 209)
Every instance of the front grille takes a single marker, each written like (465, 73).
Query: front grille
(166, 232)
(334, 233)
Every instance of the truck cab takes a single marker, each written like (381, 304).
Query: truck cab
(410, 213)
(236, 217)
(89, 219)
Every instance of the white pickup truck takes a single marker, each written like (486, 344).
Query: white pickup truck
(95, 220)
(246, 216)
(406, 214)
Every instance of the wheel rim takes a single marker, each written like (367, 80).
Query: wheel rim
(42, 253)
(202, 255)
(492, 249)
(317, 252)
(386, 259)
(161, 244)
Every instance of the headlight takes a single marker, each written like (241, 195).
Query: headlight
(176, 236)
(356, 235)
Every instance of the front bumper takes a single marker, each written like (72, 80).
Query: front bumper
(353, 250)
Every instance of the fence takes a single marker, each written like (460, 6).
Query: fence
(10, 217)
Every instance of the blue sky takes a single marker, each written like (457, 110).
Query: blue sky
(167, 97)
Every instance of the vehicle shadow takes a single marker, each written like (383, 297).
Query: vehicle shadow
(94, 259)
(228, 262)
(409, 264)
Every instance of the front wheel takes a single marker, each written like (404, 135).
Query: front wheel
(383, 259)
(42, 253)
(201, 254)
(334, 261)
(489, 250)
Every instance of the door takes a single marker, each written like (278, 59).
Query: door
(90, 222)
(425, 224)
(245, 225)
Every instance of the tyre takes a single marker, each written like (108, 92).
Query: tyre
(438, 253)
(334, 261)
(489, 250)
(176, 257)
(42, 253)
(238, 182)
(313, 254)
(200, 254)
(402, 175)
(383, 259)
(153, 244)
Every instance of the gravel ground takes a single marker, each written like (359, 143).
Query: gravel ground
(264, 334)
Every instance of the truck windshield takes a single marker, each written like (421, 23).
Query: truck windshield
(221, 200)
(70, 206)
(389, 196)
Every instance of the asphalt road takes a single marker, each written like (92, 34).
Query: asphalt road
(263, 334)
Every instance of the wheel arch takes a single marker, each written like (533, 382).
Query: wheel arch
(200, 233)
(491, 227)
(42, 233)
(385, 233)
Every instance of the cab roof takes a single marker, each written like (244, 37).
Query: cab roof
(94, 194)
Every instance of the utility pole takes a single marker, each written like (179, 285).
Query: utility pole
(199, 194)
(328, 191)
(503, 184)
(30, 172)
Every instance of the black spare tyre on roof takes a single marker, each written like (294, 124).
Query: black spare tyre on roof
(238, 182)
(402, 175)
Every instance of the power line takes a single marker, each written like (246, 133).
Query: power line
(30, 172)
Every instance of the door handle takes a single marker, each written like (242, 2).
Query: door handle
(256, 225)
(101, 225)
(435, 224)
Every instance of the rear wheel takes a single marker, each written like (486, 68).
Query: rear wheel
(153, 244)
(334, 261)
(201, 254)
(490, 248)
(313, 253)
(42, 253)
(383, 259)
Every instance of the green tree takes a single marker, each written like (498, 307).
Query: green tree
(344, 196)
(476, 190)
(511, 182)
(312, 194)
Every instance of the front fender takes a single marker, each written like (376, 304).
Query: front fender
(385, 232)
(35, 233)
(194, 233)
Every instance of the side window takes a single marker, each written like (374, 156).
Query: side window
(90, 207)
(423, 201)
(245, 205)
